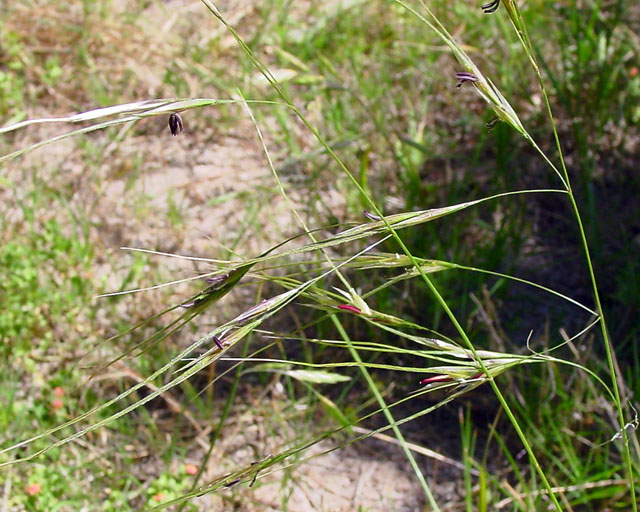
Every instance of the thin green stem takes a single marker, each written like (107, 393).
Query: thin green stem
(385, 410)
(352, 350)
(460, 329)
(616, 376)
(265, 71)
(221, 422)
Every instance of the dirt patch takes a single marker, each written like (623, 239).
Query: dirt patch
(369, 475)
(344, 481)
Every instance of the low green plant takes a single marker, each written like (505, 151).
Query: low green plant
(43, 286)
(167, 487)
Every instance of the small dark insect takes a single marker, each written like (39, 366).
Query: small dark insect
(490, 7)
(464, 76)
(175, 124)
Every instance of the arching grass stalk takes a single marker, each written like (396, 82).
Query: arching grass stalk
(503, 110)
(128, 112)
(616, 376)
(503, 114)
(221, 422)
(352, 350)
(519, 25)
(385, 410)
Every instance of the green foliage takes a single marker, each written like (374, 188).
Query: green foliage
(592, 73)
(168, 487)
(12, 83)
(43, 288)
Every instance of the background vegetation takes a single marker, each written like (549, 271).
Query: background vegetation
(379, 88)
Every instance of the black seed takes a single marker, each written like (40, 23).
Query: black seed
(175, 124)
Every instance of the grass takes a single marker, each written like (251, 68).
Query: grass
(357, 109)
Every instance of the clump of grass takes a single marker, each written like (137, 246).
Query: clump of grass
(321, 278)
